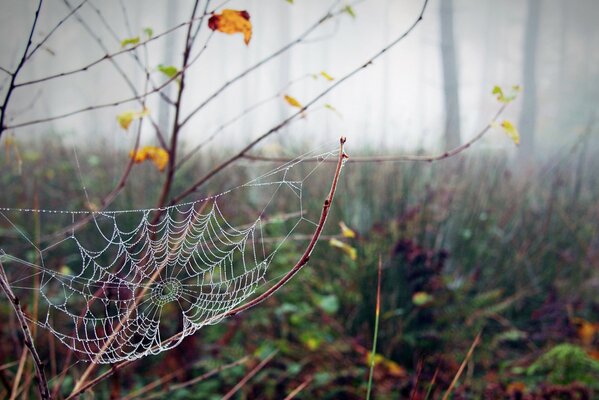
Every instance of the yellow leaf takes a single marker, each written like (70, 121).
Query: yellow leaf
(157, 155)
(125, 118)
(232, 21)
(511, 131)
(346, 231)
(326, 76)
(130, 41)
(347, 249)
(392, 368)
(292, 101)
(502, 97)
(421, 298)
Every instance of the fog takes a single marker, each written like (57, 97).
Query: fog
(406, 100)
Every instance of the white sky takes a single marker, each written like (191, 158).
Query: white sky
(394, 103)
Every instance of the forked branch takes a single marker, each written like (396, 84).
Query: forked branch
(84, 386)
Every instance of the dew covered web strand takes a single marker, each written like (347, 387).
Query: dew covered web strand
(119, 288)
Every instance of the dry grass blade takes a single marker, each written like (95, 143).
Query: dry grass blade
(462, 366)
(298, 389)
(172, 388)
(249, 375)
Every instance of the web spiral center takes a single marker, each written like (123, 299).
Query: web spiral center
(166, 291)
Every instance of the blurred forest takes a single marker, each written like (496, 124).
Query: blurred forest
(470, 187)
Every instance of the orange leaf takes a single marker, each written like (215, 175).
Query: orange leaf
(157, 155)
(232, 21)
(586, 330)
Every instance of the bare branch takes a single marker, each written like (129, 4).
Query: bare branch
(278, 127)
(244, 113)
(27, 338)
(107, 56)
(282, 50)
(306, 256)
(402, 158)
(303, 260)
(13, 76)
(62, 21)
(170, 172)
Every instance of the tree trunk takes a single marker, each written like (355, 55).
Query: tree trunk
(528, 115)
(451, 136)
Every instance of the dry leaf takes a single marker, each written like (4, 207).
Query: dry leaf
(157, 155)
(326, 76)
(346, 231)
(292, 101)
(125, 118)
(347, 249)
(511, 131)
(232, 21)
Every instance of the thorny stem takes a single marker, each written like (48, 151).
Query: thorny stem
(42, 383)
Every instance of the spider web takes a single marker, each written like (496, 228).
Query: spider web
(130, 280)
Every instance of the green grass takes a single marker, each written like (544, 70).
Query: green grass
(491, 245)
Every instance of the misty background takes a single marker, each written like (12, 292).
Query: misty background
(431, 91)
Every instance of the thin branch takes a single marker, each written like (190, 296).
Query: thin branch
(120, 71)
(244, 113)
(306, 256)
(402, 158)
(282, 50)
(133, 53)
(298, 389)
(62, 21)
(462, 366)
(172, 159)
(107, 56)
(42, 383)
(92, 108)
(303, 260)
(13, 76)
(5, 71)
(278, 127)
(249, 375)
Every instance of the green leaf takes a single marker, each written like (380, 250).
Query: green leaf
(149, 32)
(348, 9)
(329, 304)
(502, 97)
(168, 70)
(290, 1)
(421, 298)
(130, 41)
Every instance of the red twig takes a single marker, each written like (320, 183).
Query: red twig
(303, 260)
